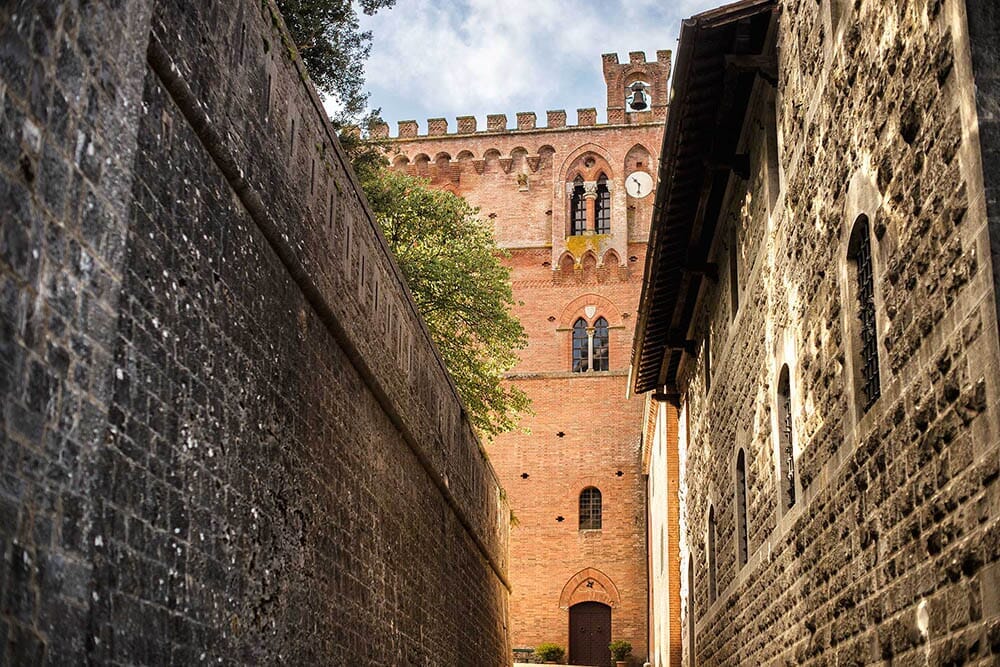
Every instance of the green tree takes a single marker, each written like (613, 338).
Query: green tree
(447, 254)
(333, 47)
(454, 270)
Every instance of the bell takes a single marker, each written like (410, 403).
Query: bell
(638, 101)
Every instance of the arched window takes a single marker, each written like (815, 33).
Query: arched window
(742, 531)
(859, 257)
(602, 207)
(786, 459)
(601, 341)
(581, 347)
(590, 509)
(578, 209)
(712, 587)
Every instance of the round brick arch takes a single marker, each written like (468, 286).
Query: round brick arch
(589, 585)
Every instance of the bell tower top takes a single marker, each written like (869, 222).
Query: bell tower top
(637, 90)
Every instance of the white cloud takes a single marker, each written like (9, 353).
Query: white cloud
(473, 57)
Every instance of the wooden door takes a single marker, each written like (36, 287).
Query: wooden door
(590, 634)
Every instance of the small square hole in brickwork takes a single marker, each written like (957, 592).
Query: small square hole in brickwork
(525, 475)
(619, 473)
(560, 519)
(560, 434)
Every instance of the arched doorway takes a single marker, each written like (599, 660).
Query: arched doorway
(590, 634)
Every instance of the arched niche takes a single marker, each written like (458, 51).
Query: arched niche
(638, 159)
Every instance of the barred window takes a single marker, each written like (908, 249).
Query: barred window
(590, 509)
(786, 458)
(602, 210)
(601, 342)
(742, 531)
(580, 346)
(578, 209)
(859, 254)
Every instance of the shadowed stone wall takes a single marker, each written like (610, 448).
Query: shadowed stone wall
(891, 551)
(225, 434)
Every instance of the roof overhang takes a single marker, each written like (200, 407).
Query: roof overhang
(720, 54)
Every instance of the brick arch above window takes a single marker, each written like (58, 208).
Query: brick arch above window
(589, 585)
(602, 307)
(576, 163)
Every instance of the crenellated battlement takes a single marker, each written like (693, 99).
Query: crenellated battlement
(524, 121)
(617, 77)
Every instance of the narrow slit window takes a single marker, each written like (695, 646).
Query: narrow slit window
(712, 587)
(578, 209)
(601, 343)
(707, 351)
(603, 206)
(742, 530)
(580, 347)
(590, 509)
(734, 273)
(866, 338)
(786, 458)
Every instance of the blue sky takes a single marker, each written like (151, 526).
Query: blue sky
(434, 58)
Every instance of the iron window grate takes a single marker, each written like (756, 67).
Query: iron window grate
(866, 314)
(590, 509)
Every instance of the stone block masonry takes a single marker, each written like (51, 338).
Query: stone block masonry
(890, 552)
(225, 435)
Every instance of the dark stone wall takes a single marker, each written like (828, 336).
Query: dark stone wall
(891, 553)
(226, 436)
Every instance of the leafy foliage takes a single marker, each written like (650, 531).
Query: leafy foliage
(462, 289)
(550, 652)
(447, 254)
(620, 649)
(333, 47)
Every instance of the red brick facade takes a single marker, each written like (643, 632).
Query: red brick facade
(584, 432)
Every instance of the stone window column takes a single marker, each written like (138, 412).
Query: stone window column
(590, 330)
(590, 196)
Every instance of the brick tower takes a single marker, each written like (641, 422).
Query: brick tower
(572, 205)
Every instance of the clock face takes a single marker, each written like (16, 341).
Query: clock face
(638, 184)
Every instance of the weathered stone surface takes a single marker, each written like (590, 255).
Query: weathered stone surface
(896, 506)
(225, 434)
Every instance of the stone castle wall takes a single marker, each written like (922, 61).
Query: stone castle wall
(225, 433)
(892, 550)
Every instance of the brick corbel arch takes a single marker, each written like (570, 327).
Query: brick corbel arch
(589, 585)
